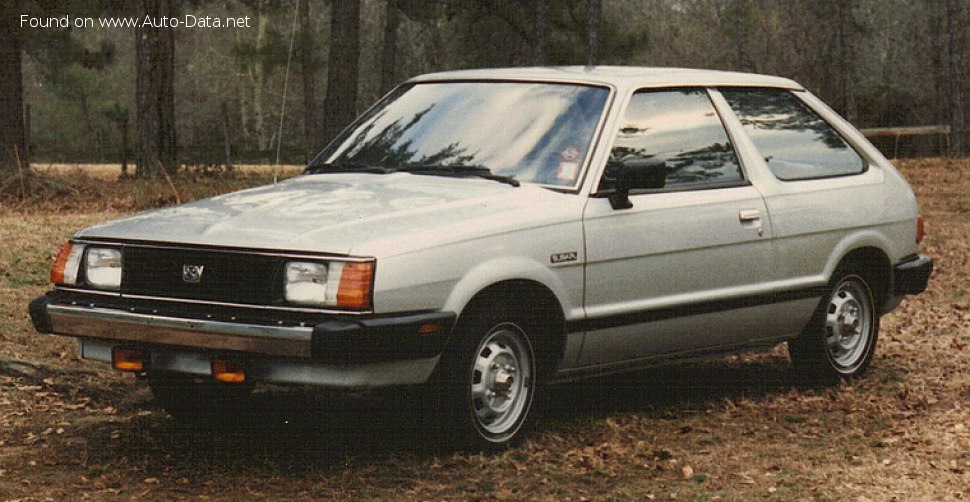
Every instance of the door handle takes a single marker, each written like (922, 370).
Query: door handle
(747, 215)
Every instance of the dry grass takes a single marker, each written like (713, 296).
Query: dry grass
(728, 429)
(113, 171)
(88, 189)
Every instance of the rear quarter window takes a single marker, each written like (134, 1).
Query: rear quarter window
(796, 142)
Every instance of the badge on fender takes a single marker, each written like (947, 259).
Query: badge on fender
(563, 257)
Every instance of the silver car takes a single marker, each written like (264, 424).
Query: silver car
(488, 231)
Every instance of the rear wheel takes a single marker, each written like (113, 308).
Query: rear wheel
(841, 339)
(196, 399)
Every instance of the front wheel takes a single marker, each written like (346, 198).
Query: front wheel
(488, 382)
(841, 339)
(502, 382)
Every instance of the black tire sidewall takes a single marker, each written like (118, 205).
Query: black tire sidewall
(455, 379)
(812, 360)
(869, 350)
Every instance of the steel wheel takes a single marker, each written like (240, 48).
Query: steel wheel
(486, 381)
(501, 382)
(848, 324)
(840, 340)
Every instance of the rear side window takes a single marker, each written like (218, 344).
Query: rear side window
(796, 143)
(681, 128)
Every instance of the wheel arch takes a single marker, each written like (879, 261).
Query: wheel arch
(874, 264)
(529, 297)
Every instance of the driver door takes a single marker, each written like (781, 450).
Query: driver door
(674, 271)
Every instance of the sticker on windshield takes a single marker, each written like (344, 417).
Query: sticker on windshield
(567, 171)
(570, 153)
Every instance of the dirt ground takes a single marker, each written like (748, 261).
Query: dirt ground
(735, 428)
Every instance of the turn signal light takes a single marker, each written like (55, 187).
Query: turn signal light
(919, 229)
(64, 270)
(228, 371)
(427, 329)
(355, 285)
(130, 360)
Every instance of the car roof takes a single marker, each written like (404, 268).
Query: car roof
(619, 76)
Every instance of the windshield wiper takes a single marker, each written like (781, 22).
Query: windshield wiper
(344, 167)
(460, 171)
(429, 169)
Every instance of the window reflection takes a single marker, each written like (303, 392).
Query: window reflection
(681, 128)
(535, 132)
(795, 141)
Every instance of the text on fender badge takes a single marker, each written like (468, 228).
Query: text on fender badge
(563, 257)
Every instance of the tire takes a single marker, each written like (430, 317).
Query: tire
(840, 341)
(198, 400)
(487, 382)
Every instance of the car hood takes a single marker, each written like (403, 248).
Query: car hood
(346, 213)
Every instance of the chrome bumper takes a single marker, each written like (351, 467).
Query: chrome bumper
(349, 354)
(93, 322)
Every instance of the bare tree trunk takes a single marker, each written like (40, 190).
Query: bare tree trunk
(541, 31)
(28, 115)
(594, 10)
(436, 56)
(310, 134)
(844, 11)
(389, 49)
(937, 55)
(741, 13)
(124, 145)
(146, 104)
(227, 143)
(167, 140)
(340, 103)
(13, 135)
(954, 85)
(155, 92)
(257, 79)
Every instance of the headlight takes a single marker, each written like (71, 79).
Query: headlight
(103, 268)
(67, 263)
(329, 284)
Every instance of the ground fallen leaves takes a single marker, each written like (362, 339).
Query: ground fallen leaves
(731, 429)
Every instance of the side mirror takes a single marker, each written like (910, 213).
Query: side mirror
(637, 173)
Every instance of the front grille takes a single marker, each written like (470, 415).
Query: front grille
(226, 277)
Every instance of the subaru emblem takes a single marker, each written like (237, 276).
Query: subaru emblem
(192, 273)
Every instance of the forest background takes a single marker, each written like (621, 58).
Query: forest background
(277, 88)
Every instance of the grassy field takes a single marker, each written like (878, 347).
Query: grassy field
(112, 171)
(728, 429)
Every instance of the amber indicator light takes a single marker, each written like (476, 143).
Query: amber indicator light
(355, 285)
(228, 371)
(427, 329)
(919, 229)
(57, 270)
(130, 360)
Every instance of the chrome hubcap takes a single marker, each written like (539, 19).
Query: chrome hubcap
(848, 323)
(501, 375)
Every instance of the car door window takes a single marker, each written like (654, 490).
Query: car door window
(794, 140)
(680, 128)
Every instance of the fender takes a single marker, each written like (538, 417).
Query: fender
(508, 268)
(856, 240)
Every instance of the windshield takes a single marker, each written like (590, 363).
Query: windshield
(532, 132)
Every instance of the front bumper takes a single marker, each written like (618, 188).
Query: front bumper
(339, 351)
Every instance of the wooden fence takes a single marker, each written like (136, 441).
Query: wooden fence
(897, 132)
